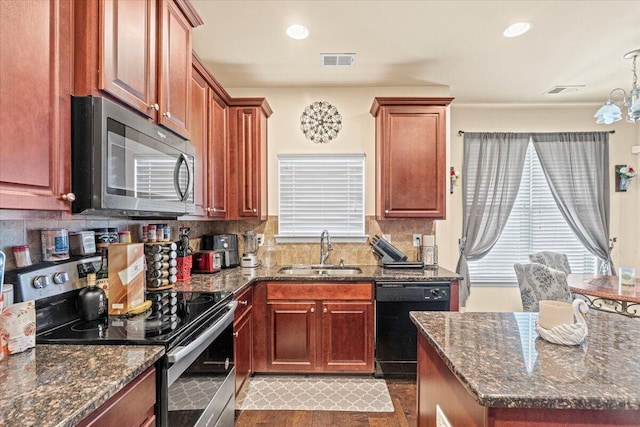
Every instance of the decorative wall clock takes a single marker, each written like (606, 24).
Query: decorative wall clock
(320, 122)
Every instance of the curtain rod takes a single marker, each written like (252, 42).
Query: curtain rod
(461, 132)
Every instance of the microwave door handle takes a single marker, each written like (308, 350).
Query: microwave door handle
(182, 195)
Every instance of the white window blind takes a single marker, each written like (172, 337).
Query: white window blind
(318, 192)
(535, 225)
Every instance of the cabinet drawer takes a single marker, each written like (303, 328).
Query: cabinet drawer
(133, 405)
(319, 291)
(245, 302)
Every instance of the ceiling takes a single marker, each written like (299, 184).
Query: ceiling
(414, 43)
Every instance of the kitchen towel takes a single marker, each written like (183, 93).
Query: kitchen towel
(314, 393)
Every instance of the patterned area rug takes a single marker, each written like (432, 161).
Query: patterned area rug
(316, 393)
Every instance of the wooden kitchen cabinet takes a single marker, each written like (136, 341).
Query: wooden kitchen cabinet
(131, 406)
(292, 336)
(347, 335)
(247, 186)
(243, 338)
(319, 327)
(411, 172)
(209, 136)
(138, 52)
(36, 63)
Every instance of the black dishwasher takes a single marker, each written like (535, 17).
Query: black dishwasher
(396, 335)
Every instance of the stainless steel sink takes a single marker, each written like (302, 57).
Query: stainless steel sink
(319, 270)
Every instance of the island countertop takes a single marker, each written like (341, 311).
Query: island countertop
(60, 385)
(501, 361)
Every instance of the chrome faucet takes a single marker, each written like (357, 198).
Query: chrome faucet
(325, 254)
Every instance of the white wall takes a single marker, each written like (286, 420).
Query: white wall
(358, 135)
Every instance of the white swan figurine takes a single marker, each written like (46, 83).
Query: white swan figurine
(569, 334)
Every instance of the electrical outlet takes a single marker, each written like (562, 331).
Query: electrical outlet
(260, 238)
(417, 240)
(387, 237)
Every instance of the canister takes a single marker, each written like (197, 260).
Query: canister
(55, 244)
(113, 235)
(22, 255)
(102, 235)
(124, 236)
(82, 243)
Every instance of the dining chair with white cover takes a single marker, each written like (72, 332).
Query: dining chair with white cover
(539, 282)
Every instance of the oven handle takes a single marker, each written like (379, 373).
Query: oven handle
(205, 338)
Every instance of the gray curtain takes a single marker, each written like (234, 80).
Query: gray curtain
(576, 167)
(491, 175)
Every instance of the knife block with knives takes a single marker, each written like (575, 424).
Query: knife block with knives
(390, 256)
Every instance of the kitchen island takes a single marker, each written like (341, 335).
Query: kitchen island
(60, 385)
(480, 369)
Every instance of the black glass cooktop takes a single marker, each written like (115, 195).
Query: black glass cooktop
(193, 310)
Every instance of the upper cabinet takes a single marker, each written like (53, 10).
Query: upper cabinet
(411, 172)
(247, 188)
(35, 77)
(209, 136)
(140, 53)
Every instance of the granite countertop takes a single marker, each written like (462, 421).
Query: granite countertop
(502, 362)
(59, 385)
(236, 279)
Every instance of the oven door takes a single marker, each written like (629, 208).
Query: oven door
(201, 376)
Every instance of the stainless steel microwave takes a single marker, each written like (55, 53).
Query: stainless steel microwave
(124, 165)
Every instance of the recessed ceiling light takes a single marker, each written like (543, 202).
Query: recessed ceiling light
(297, 31)
(517, 29)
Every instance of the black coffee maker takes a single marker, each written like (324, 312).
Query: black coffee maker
(226, 244)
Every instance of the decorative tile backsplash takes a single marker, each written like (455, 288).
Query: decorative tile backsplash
(21, 232)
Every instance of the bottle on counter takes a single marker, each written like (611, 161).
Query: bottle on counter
(102, 275)
(92, 301)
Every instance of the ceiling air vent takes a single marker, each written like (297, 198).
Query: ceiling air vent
(563, 89)
(337, 59)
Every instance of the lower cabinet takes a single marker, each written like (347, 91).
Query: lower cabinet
(319, 327)
(131, 406)
(243, 338)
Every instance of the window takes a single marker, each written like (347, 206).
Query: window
(535, 224)
(318, 192)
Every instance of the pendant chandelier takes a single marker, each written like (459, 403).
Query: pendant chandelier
(611, 110)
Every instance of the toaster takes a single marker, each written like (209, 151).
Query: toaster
(206, 262)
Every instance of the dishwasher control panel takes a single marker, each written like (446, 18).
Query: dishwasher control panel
(412, 291)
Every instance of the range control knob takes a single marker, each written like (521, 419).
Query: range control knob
(41, 282)
(435, 292)
(60, 278)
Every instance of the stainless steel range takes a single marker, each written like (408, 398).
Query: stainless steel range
(197, 333)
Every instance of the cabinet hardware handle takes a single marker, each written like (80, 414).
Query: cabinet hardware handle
(208, 209)
(243, 302)
(69, 197)
(255, 210)
(235, 334)
(154, 107)
(214, 209)
(386, 211)
(167, 115)
(313, 310)
(325, 310)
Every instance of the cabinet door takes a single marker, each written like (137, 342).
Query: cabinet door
(218, 152)
(347, 336)
(128, 65)
(248, 141)
(35, 77)
(199, 125)
(411, 163)
(292, 336)
(175, 69)
(243, 348)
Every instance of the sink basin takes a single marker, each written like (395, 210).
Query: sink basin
(319, 270)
